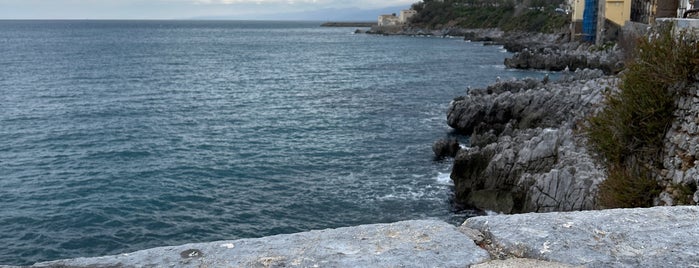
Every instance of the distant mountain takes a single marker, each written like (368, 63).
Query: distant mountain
(325, 14)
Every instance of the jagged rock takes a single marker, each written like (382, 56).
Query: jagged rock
(445, 148)
(526, 155)
(648, 237)
(558, 58)
(553, 52)
(480, 35)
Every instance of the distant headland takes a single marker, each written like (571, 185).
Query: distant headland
(348, 24)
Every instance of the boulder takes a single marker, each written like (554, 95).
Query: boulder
(645, 237)
(445, 148)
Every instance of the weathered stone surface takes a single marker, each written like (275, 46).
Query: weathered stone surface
(649, 237)
(521, 263)
(422, 243)
(645, 237)
(680, 174)
(526, 153)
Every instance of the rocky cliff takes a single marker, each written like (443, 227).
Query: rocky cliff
(527, 153)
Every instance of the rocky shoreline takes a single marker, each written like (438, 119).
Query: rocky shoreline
(526, 152)
(529, 152)
(551, 52)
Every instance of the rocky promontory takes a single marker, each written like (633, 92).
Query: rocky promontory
(527, 153)
(572, 56)
(541, 51)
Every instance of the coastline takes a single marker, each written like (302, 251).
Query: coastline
(532, 50)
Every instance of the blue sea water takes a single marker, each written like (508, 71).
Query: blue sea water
(117, 136)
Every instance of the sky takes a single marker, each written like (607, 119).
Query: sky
(191, 9)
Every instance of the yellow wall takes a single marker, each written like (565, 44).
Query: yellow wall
(578, 9)
(618, 11)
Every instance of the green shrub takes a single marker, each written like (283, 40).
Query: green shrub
(628, 133)
(546, 21)
(488, 14)
(683, 193)
(627, 188)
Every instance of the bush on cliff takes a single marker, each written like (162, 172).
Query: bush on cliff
(539, 16)
(628, 133)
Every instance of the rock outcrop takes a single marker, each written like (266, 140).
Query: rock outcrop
(445, 148)
(553, 52)
(570, 56)
(526, 153)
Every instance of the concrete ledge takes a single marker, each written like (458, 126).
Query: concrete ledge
(401, 244)
(691, 26)
(647, 237)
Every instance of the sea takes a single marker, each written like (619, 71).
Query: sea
(117, 136)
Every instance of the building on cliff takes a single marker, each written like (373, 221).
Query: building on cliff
(389, 20)
(393, 20)
(405, 15)
(601, 20)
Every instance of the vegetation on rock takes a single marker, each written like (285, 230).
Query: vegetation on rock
(628, 132)
(508, 15)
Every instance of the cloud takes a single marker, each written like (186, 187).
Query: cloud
(324, 3)
(229, 2)
(168, 9)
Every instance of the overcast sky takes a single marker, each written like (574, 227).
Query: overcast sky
(177, 9)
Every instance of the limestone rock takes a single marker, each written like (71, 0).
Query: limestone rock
(572, 56)
(522, 263)
(422, 243)
(445, 148)
(650, 237)
(526, 154)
